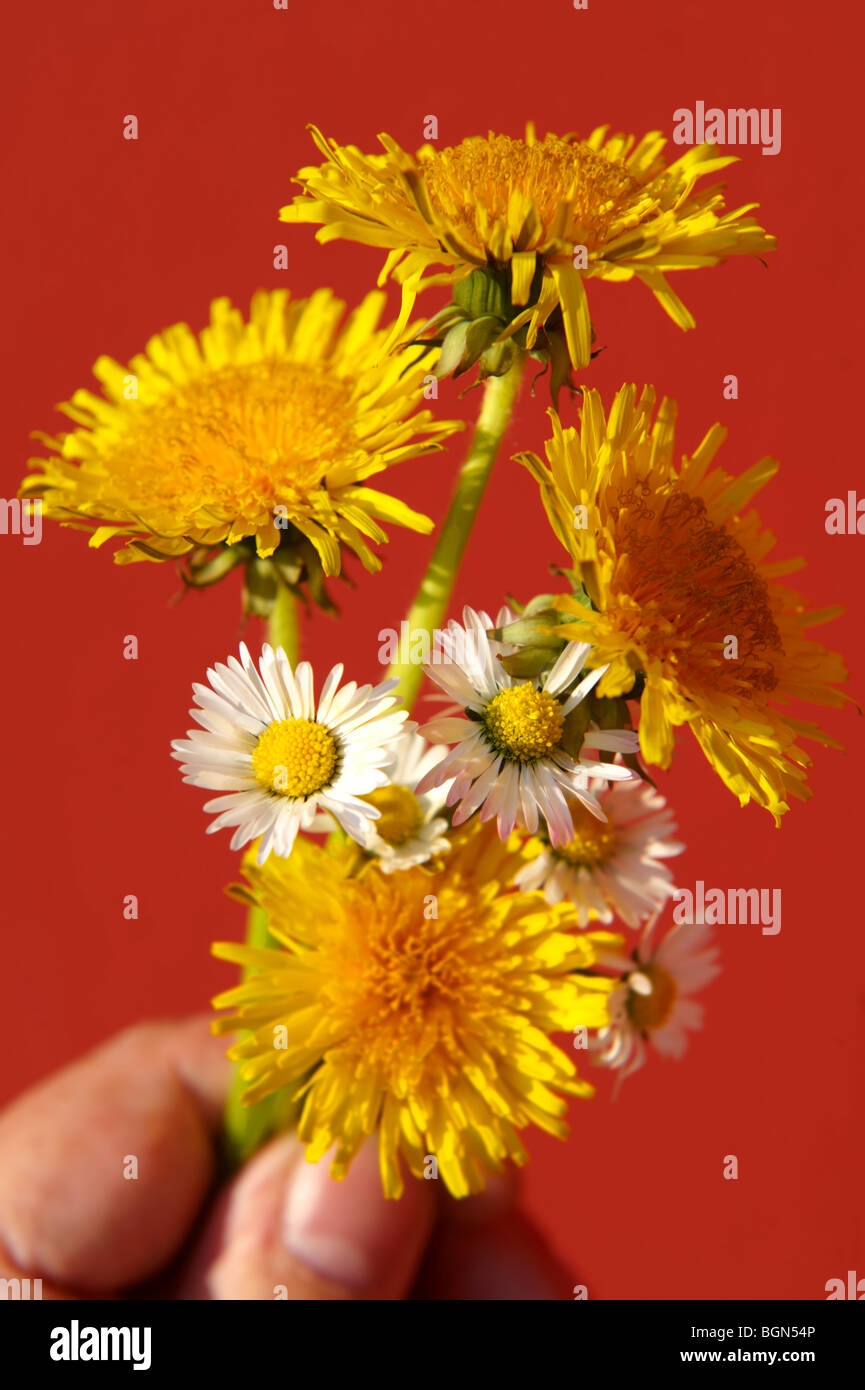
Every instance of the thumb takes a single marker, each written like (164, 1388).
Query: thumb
(284, 1228)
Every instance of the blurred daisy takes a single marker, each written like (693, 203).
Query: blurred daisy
(410, 828)
(613, 866)
(252, 432)
(652, 1004)
(278, 758)
(517, 753)
(684, 597)
(417, 1005)
(549, 213)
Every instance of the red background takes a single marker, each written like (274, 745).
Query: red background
(109, 241)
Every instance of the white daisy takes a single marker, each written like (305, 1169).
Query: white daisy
(279, 759)
(651, 1006)
(509, 760)
(613, 866)
(410, 829)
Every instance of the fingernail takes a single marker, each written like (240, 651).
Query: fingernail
(345, 1231)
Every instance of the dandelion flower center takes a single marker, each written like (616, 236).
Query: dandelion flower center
(295, 757)
(401, 814)
(594, 840)
(476, 181)
(402, 987)
(524, 724)
(691, 586)
(234, 442)
(649, 1011)
(417, 971)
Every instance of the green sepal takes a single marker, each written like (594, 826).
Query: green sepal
(579, 593)
(295, 564)
(435, 328)
(527, 663)
(289, 568)
(535, 630)
(485, 292)
(614, 713)
(259, 587)
(574, 730)
(204, 567)
(464, 345)
(497, 359)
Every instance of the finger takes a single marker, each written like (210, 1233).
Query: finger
(104, 1165)
(485, 1248)
(286, 1229)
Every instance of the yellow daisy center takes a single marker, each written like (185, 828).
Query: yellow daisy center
(235, 442)
(473, 184)
(401, 814)
(594, 840)
(648, 1011)
(295, 757)
(523, 724)
(688, 587)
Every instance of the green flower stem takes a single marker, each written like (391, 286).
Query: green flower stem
(430, 605)
(245, 1128)
(283, 627)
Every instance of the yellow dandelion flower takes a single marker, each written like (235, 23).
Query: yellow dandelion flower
(250, 434)
(685, 606)
(551, 212)
(416, 1004)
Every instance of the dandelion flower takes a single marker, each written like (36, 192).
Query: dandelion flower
(684, 602)
(612, 866)
(652, 1003)
(550, 213)
(520, 744)
(416, 1005)
(278, 758)
(251, 435)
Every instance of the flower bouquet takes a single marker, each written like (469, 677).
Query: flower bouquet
(455, 913)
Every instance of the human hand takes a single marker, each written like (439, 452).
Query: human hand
(281, 1228)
